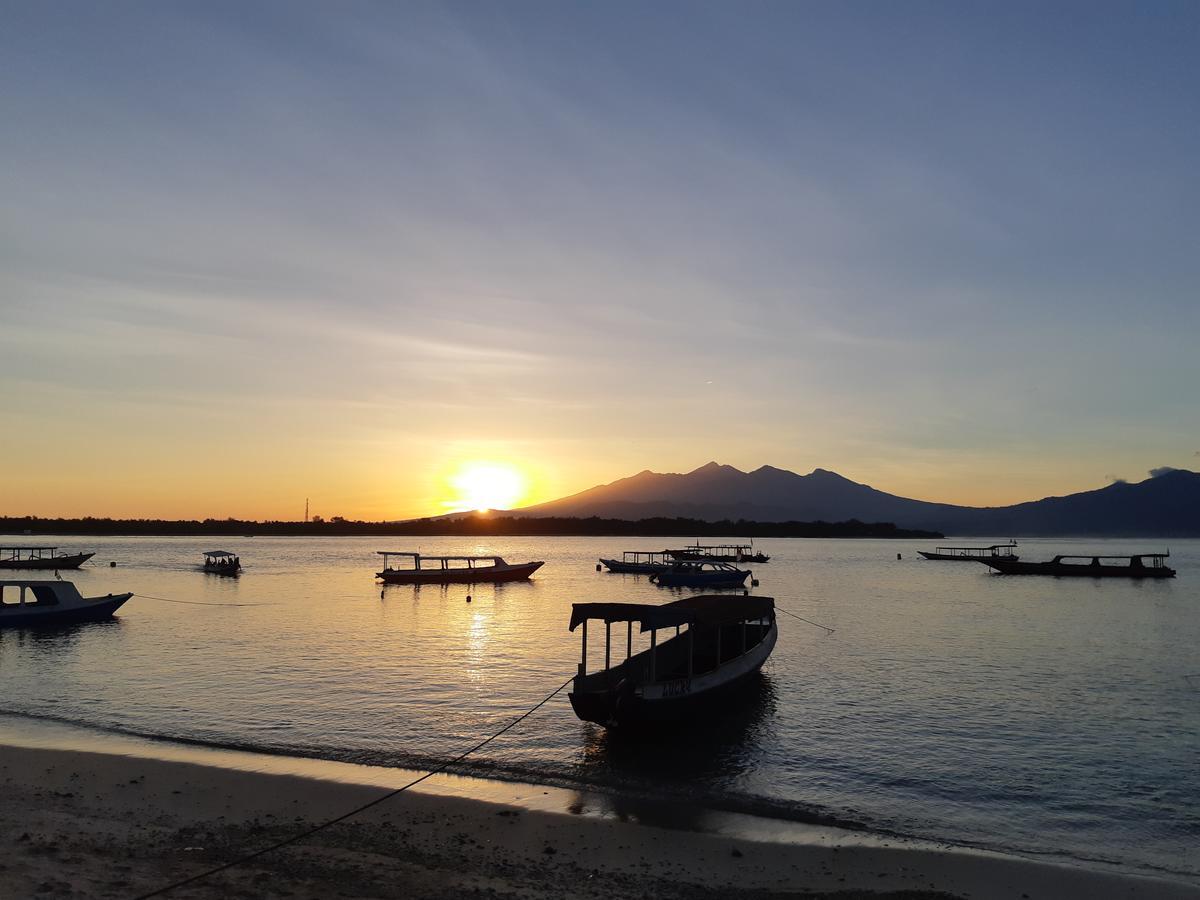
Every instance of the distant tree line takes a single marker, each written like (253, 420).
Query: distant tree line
(467, 525)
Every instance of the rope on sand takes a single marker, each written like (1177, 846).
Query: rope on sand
(354, 812)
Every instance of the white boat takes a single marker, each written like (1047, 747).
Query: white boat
(26, 604)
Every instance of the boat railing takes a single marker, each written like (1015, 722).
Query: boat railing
(759, 612)
(1135, 560)
(444, 561)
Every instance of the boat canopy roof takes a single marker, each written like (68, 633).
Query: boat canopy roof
(981, 547)
(1126, 556)
(219, 554)
(27, 549)
(386, 553)
(706, 609)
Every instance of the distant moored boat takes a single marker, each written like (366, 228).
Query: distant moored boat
(40, 558)
(971, 554)
(453, 569)
(698, 573)
(644, 562)
(734, 553)
(1135, 567)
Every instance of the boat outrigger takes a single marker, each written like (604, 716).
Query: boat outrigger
(733, 553)
(442, 569)
(697, 573)
(25, 604)
(724, 640)
(644, 562)
(40, 558)
(1136, 566)
(222, 562)
(971, 554)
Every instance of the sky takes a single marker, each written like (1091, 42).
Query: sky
(257, 252)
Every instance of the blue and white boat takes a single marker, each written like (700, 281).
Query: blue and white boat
(28, 604)
(701, 573)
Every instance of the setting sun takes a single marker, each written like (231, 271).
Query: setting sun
(483, 486)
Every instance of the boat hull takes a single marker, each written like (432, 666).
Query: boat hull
(948, 557)
(1061, 570)
(700, 579)
(482, 575)
(627, 568)
(670, 703)
(73, 561)
(93, 609)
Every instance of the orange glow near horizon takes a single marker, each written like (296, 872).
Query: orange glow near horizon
(487, 485)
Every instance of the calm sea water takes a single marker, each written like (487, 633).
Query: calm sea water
(1043, 716)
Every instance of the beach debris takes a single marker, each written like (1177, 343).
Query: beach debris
(736, 853)
(549, 851)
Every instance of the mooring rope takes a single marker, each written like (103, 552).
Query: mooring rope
(359, 809)
(200, 602)
(828, 630)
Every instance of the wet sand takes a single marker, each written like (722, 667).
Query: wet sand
(89, 824)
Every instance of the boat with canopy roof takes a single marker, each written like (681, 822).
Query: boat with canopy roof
(222, 562)
(452, 569)
(640, 562)
(719, 643)
(733, 553)
(1141, 565)
(40, 558)
(26, 604)
(971, 554)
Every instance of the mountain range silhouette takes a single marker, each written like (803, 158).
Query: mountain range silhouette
(1165, 505)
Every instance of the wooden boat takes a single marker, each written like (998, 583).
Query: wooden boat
(643, 562)
(441, 569)
(1135, 567)
(971, 554)
(698, 573)
(40, 558)
(222, 562)
(26, 604)
(689, 676)
(734, 553)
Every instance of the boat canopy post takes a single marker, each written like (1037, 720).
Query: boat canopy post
(629, 639)
(653, 651)
(691, 651)
(607, 642)
(583, 661)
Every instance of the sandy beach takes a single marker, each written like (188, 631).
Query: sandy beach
(103, 825)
